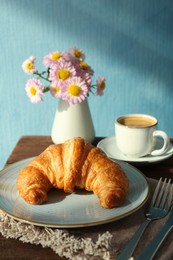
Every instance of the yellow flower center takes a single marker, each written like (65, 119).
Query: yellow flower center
(55, 56)
(63, 74)
(29, 66)
(56, 89)
(33, 90)
(84, 65)
(74, 90)
(102, 85)
(77, 53)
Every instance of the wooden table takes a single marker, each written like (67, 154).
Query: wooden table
(29, 146)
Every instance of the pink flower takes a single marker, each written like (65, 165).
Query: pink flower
(86, 68)
(100, 86)
(69, 77)
(70, 58)
(56, 89)
(52, 58)
(75, 90)
(77, 53)
(62, 71)
(34, 90)
(28, 65)
(88, 79)
(83, 70)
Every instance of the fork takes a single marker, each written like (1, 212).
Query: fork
(154, 245)
(159, 207)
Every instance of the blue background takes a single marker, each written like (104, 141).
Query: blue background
(130, 42)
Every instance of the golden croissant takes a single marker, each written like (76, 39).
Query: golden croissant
(73, 164)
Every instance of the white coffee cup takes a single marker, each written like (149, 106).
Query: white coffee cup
(136, 135)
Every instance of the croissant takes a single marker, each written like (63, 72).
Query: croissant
(73, 164)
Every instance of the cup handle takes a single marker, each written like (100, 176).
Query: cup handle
(166, 142)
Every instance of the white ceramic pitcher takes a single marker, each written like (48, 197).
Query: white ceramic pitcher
(72, 121)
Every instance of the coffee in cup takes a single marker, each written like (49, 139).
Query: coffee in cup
(136, 135)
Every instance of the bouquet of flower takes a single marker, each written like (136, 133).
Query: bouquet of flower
(69, 77)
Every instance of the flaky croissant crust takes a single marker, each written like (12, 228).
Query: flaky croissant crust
(73, 164)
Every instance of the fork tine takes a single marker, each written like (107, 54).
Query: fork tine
(170, 197)
(157, 203)
(166, 194)
(155, 193)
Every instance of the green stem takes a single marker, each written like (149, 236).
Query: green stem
(41, 76)
(46, 89)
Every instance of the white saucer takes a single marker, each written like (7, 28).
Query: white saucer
(109, 146)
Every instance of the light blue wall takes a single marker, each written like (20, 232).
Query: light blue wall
(130, 42)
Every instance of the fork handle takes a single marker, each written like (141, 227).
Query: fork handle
(154, 245)
(127, 252)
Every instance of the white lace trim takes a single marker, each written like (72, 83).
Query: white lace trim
(59, 240)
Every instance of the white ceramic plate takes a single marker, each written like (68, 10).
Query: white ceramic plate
(79, 209)
(109, 146)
